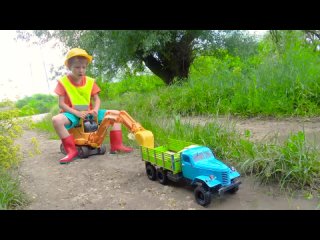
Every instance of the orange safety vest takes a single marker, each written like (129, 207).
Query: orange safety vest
(79, 95)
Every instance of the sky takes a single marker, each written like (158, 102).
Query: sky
(25, 68)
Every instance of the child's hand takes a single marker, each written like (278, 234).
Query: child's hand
(82, 114)
(93, 112)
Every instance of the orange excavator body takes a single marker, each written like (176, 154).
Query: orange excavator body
(95, 139)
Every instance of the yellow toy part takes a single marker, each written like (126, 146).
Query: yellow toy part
(145, 138)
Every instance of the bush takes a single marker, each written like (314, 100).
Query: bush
(9, 130)
(37, 103)
(10, 196)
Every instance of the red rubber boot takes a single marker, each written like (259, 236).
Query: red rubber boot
(70, 148)
(116, 142)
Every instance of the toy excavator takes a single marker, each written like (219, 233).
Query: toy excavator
(89, 135)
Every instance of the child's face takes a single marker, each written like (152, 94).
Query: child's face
(78, 67)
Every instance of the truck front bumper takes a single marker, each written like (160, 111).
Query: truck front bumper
(222, 190)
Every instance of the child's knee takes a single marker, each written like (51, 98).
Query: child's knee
(57, 120)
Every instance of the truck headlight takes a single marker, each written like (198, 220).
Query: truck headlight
(212, 177)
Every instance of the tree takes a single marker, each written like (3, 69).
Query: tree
(167, 53)
(313, 37)
(284, 38)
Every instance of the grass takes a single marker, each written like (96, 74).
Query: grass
(294, 164)
(11, 196)
(46, 124)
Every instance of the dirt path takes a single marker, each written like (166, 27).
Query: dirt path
(268, 129)
(119, 181)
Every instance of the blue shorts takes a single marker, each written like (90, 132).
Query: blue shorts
(75, 120)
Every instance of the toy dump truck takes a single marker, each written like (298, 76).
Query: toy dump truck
(196, 164)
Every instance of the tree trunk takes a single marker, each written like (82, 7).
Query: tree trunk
(173, 61)
(158, 69)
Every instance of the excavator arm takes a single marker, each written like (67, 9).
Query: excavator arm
(143, 137)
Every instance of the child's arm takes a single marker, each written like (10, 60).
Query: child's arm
(97, 102)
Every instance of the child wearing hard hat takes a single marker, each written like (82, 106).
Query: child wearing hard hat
(75, 91)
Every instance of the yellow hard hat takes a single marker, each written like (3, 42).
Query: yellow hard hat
(77, 52)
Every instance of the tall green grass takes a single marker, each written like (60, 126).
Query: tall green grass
(129, 83)
(295, 163)
(278, 86)
(11, 196)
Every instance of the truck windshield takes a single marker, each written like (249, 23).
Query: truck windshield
(202, 155)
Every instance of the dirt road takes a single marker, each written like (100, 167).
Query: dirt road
(119, 181)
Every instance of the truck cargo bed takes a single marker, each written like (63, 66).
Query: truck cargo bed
(167, 156)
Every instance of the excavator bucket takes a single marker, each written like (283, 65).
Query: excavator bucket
(145, 138)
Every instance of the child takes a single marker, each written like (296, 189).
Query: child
(76, 90)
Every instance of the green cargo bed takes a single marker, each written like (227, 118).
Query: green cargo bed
(167, 156)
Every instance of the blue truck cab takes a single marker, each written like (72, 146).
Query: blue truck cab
(195, 164)
(208, 174)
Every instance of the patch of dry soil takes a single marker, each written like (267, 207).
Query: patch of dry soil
(267, 129)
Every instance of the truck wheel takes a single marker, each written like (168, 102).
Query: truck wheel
(83, 152)
(102, 149)
(151, 172)
(162, 176)
(203, 197)
(234, 190)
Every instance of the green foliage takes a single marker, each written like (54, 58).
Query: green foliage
(9, 130)
(37, 103)
(10, 195)
(167, 53)
(6, 104)
(294, 164)
(266, 84)
(288, 82)
(241, 44)
(284, 85)
(27, 110)
(226, 143)
(282, 40)
(8, 152)
(130, 83)
(115, 50)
